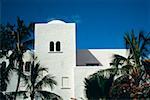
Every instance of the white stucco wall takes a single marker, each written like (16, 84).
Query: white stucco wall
(80, 73)
(13, 75)
(60, 64)
(104, 56)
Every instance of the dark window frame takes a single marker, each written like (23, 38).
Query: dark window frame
(58, 46)
(27, 66)
(51, 46)
(92, 64)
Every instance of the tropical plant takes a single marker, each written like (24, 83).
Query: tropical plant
(37, 80)
(133, 66)
(3, 77)
(21, 33)
(133, 72)
(17, 39)
(92, 89)
(97, 86)
(6, 38)
(3, 80)
(146, 64)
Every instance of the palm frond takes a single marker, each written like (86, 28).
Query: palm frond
(112, 71)
(42, 69)
(106, 71)
(28, 42)
(47, 80)
(97, 86)
(31, 27)
(119, 57)
(34, 72)
(128, 67)
(145, 46)
(131, 42)
(121, 79)
(37, 70)
(19, 93)
(10, 95)
(5, 72)
(22, 29)
(49, 95)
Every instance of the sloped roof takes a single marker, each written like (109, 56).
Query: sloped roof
(101, 56)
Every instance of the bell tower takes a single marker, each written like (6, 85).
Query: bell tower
(55, 46)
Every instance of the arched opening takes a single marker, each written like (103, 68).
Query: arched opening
(51, 46)
(3, 65)
(27, 66)
(57, 46)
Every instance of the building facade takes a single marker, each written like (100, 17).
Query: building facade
(55, 47)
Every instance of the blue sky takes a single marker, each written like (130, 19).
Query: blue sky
(100, 23)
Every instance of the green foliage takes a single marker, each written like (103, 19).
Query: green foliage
(97, 86)
(133, 70)
(4, 79)
(14, 38)
(132, 83)
(17, 38)
(38, 80)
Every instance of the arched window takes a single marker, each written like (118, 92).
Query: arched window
(57, 46)
(51, 46)
(3, 65)
(27, 66)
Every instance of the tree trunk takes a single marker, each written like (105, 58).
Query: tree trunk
(19, 78)
(32, 96)
(18, 83)
(19, 58)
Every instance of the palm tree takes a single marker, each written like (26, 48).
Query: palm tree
(146, 64)
(5, 74)
(38, 80)
(133, 65)
(131, 68)
(97, 85)
(6, 37)
(138, 47)
(92, 89)
(21, 33)
(138, 50)
(17, 39)
(4, 79)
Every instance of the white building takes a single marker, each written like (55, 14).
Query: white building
(55, 46)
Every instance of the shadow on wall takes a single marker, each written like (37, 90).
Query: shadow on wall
(86, 58)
